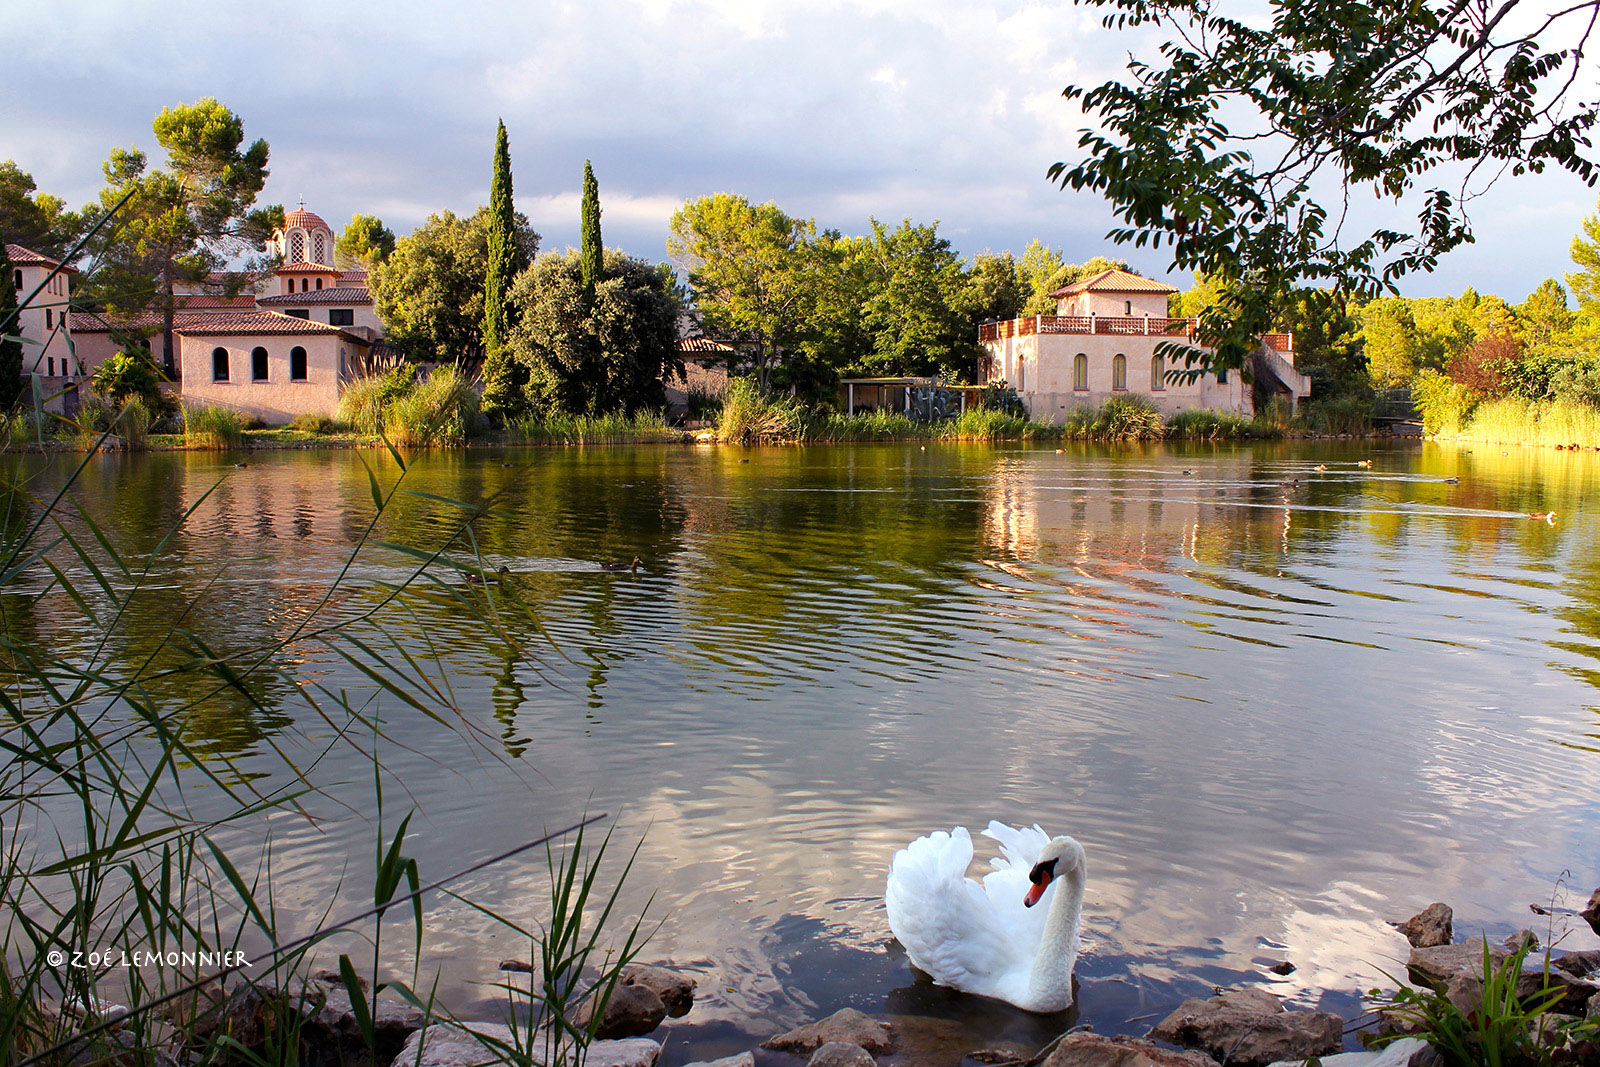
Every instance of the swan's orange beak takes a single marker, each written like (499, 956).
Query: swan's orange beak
(1037, 891)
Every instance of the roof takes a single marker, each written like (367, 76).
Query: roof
(307, 268)
(305, 219)
(1115, 281)
(354, 275)
(207, 301)
(27, 257)
(704, 344)
(94, 322)
(252, 322)
(336, 295)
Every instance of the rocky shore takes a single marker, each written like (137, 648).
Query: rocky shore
(1247, 1027)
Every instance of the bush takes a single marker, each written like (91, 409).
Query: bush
(748, 417)
(363, 402)
(1275, 418)
(1129, 418)
(317, 424)
(440, 411)
(703, 404)
(1345, 414)
(131, 374)
(206, 426)
(1199, 424)
(1445, 405)
(615, 429)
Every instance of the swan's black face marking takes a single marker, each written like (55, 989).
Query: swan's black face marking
(1041, 876)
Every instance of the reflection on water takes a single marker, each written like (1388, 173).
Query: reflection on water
(1278, 705)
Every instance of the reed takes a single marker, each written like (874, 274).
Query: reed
(643, 427)
(442, 410)
(1534, 422)
(748, 417)
(207, 426)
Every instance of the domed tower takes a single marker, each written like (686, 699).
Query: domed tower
(305, 244)
(304, 238)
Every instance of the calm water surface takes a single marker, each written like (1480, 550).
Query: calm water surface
(1276, 715)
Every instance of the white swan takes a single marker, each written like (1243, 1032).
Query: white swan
(990, 939)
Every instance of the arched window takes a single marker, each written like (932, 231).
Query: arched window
(319, 283)
(258, 364)
(318, 249)
(297, 246)
(1127, 308)
(297, 364)
(19, 279)
(1119, 371)
(219, 364)
(1080, 371)
(1158, 378)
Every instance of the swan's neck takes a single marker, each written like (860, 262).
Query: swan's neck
(1050, 981)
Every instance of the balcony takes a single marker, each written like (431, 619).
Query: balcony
(1143, 325)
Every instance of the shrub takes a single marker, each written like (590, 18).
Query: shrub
(440, 411)
(1445, 405)
(317, 424)
(131, 374)
(1345, 414)
(1200, 424)
(1129, 418)
(704, 404)
(747, 416)
(1275, 418)
(363, 402)
(206, 426)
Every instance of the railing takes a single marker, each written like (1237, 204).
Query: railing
(1098, 324)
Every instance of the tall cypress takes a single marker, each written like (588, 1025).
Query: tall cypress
(593, 251)
(10, 328)
(503, 380)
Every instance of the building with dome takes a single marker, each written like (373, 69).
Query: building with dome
(270, 346)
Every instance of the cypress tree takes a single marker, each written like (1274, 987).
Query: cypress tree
(503, 384)
(593, 251)
(10, 329)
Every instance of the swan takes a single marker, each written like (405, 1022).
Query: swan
(989, 939)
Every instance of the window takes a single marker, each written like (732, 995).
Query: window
(297, 247)
(1127, 308)
(52, 362)
(1158, 378)
(1222, 376)
(318, 251)
(319, 283)
(1119, 371)
(341, 317)
(219, 364)
(48, 321)
(258, 364)
(19, 279)
(1080, 371)
(299, 313)
(305, 284)
(297, 364)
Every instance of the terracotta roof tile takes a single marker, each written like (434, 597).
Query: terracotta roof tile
(305, 220)
(307, 268)
(1115, 281)
(704, 345)
(336, 295)
(353, 277)
(252, 322)
(27, 257)
(208, 302)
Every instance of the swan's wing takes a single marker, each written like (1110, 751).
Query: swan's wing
(943, 918)
(1008, 883)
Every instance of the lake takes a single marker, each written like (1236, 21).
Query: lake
(1278, 704)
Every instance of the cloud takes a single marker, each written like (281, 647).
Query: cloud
(836, 109)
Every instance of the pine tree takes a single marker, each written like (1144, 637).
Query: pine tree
(503, 381)
(10, 329)
(593, 251)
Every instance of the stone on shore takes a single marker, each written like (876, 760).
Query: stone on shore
(1591, 911)
(840, 1054)
(1093, 1050)
(1458, 969)
(1250, 1028)
(1433, 925)
(631, 1011)
(846, 1024)
(1407, 1052)
(473, 1045)
(331, 1035)
(743, 1059)
(675, 991)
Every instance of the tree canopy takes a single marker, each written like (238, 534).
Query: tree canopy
(366, 242)
(34, 220)
(1223, 145)
(429, 292)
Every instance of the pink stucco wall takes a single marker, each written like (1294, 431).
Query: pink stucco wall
(277, 399)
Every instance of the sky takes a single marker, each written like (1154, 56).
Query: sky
(837, 110)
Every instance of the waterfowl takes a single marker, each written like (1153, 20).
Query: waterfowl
(988, 939)
(1543, 516)
(478, 578)
(1321, 467)
(1452, 481)
(1363, 462)
(1186, 470)
(629, 567)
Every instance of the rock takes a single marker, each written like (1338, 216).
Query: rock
(254, 1011)
(1582, 964)
(743, 1059)
(330, 1034)
(1458, 970)
(1591, 911)
(1285, 967)
(472, 1045)
(520, 966)
(1250, 1028)
(1593, 1009)
(631, 1011)
(1093, 1050)
(840, 1054)
(846, 1024)
(1407, 1052)
(198, 1012)
(1433, 925)
(1521, 941)
(675, 991)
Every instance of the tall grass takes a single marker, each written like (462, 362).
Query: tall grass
(211, 427)
(1534, 422)
(364, 402)
(113, 814)
(748, 417)
(612, 429)
(1198, 424)
(1342, 415)
(442, 410)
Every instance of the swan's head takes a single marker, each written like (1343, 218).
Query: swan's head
(1061, 857)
